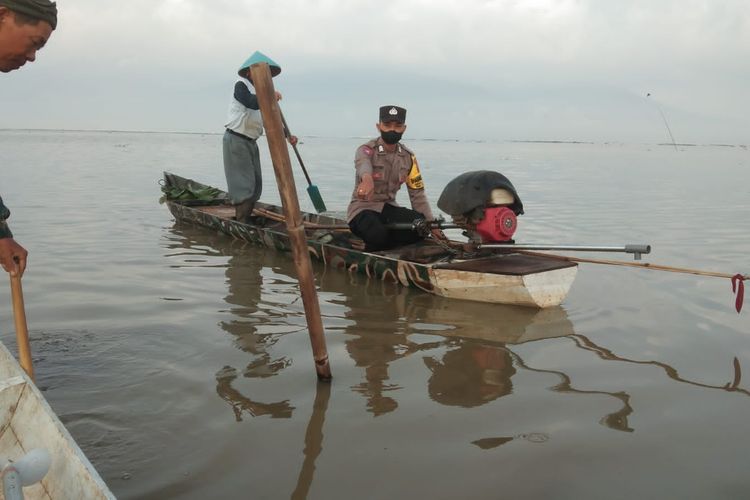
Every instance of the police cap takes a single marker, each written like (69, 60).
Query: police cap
(392, 114)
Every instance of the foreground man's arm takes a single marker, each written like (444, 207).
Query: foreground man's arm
(12, 255)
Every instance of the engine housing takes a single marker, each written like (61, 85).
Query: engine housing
(483, 203)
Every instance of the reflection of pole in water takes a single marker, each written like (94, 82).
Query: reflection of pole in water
(733, 386)
(241, 404)
(313, 440)
(665, 122)
(617, 420)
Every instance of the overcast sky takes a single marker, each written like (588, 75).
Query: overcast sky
(464, 69)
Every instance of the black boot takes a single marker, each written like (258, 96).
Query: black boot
(244, 210)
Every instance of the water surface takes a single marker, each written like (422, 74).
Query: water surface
(180, 362)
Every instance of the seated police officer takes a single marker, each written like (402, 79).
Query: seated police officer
(382, 166)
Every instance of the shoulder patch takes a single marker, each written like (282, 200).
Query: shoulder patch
(366, 150)
(414, 180)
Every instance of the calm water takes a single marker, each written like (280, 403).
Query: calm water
(180, 362)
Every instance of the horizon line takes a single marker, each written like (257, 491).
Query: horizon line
(531, 141)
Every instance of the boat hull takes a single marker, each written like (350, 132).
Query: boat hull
(542, 290)
(530, 281)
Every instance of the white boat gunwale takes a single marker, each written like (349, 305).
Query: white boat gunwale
(26, 422)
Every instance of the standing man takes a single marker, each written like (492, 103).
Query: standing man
(245, 125)
(25, 26)
(382, 166)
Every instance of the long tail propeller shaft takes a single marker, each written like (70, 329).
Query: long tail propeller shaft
(423, 227)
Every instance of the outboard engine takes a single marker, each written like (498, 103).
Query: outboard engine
(483, 203)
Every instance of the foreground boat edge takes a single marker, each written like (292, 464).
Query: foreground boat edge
(27, 422)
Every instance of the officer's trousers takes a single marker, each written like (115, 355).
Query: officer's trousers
(371, 226)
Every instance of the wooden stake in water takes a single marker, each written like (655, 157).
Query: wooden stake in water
(22, 332)
(282, 167)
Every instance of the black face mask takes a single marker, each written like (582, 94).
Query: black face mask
(391, 136)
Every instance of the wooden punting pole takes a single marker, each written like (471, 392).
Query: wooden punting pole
(282, 166)
(22, 331)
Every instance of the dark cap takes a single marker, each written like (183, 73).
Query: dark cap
(392, 114)
(43, 10)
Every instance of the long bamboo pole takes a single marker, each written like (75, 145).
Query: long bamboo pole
(738, 279)
(282, 167)
(643, 265)
(22, 332)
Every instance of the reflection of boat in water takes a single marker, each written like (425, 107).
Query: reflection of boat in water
(251, 327)
(430, 314)
(485, 276)
(254, 323)
(496, 323)
(467, 351)
(386, 322)
(477, 364)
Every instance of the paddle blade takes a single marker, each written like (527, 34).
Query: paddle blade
(317, 200)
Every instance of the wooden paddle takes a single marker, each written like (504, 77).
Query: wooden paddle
(312, 189)
(22, 332)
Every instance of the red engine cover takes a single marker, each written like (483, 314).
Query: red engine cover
(499, 224)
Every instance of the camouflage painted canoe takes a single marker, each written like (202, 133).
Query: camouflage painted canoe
(508, 278)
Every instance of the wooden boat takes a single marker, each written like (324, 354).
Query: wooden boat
(27, 422)
(486, 276)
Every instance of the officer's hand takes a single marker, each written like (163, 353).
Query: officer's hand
(278, 95)
(12, 256)
(366, 187)
(438, 234)
(293, 140)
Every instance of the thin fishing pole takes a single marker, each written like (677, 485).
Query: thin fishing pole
(665, 122)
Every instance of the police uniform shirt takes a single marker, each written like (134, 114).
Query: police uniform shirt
(389, 171)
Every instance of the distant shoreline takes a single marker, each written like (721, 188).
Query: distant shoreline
(426, 139)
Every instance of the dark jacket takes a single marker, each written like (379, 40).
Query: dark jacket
(4, 214)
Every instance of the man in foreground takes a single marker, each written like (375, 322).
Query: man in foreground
(25, 27)
(382, 166)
